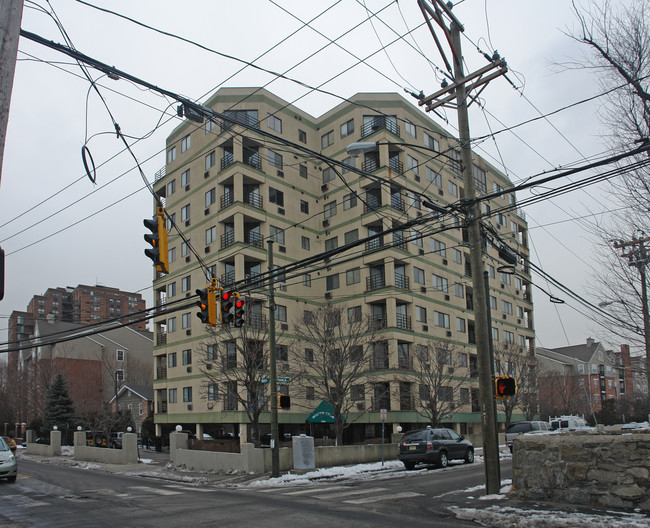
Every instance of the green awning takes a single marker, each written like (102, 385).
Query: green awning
(324, 413)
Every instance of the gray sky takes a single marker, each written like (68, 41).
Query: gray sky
(52, 114)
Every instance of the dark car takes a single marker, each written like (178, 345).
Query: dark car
(518, 428)
(434, 446)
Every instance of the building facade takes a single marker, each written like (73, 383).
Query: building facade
(230, 187)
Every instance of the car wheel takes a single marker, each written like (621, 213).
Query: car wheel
(469, 456)
(11, 479)
(443, 461)
(410, 466)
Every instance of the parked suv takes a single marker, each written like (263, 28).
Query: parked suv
(434, 446)
(518, 428)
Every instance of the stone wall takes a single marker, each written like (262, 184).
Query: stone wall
(587, 467)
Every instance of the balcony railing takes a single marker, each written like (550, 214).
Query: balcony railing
(379, 362)
(227, 160)
(370, 165)
(397, 202)
(406, 403)
(226, 200)
(377, 404)
(255, 200)
(162, 407)
(256, 320)
(372, 203)
(253, 160)
(375, 243)
(405, 362)
(254, 239)
(403, 321)
(380, 123)
(378, 321)
(402, 281)
(374, 282)
(227, 239)
(161, 338)
(161, 373)
(396, 165)
(228, 278)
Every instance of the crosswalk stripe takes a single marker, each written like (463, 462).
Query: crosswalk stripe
(157, 491)
(352, 492)
(315, 491)
(189, 488)
(367, 500)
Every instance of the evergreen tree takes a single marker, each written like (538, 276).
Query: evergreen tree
(59, 407)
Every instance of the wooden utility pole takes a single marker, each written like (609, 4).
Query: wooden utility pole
(11, 14)
(275, 436)
(638, 257)
(460, 87)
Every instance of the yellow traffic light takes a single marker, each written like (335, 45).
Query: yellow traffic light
(158, 252)
(208, 305)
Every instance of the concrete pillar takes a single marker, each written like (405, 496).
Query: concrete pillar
(176, 441)
(55, 442)
(79, 438)
(30, 436)
(243, 435)
(129, 448)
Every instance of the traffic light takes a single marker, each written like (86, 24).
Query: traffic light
(227, 298)
(284, 401)
(208, 304)
(505, 387)
(158, 240)
(240, 311)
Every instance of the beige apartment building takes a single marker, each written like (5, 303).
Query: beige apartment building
(229, 187)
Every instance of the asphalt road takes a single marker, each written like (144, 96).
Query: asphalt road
(60, 496)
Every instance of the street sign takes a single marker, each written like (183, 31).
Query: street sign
(278, 380)
(382, 414)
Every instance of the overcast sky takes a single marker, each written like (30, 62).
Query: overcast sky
(58, 229)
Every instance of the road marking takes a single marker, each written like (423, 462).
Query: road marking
(392, 496)
(157, 491)
(315, 490)
(352, 492)
(189, 488)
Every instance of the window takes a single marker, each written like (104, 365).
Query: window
(441, 319)
(309, 355)
(304, 207)
(281, 313)
(349, 201)
(434, 177)
(327, 139)
(412, 164)
(352, 276)
(275, 159)
(493, 302)
(505, 277)
(357, 393)
(185, 213)
(212, 391)
(508, 337)
(276, 234)
(455, 163)
(173, 396)
(347, 128)
(309, 393)
(506, 307)
(209, 126)
(187, 357)
(495, 334)
(453, 189)
(211, 353)
(461, 325)
(439, 247)
(329, 209)
(462, 360)
(276, 197)
(186, 320)
(171, 221)
(282, 352)
(351, 236)
(274, 123)
(210, 197)
(186, 284)
(187, 394)
(410, 128)
(331, 243)
(420, 314)
(457, 255)
(418, 275)
(171, 154)
(119, 355)
(303, 171)
(328, 175)
(306, 280)
(581, 368)
(480, 180)
(431, 143)
(171, 359)
(171, 188)
(459, 290)
(302, 136)
(185, 143)
(304, 242)
(210, 160)
(171, 324)
(440, 283)
(354, 314)
(185, 249)
(347, 164)
(332, 282)
(210, 235)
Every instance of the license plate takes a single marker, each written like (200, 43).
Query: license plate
(412, 448)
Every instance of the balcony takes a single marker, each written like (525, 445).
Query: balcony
(370, 165)
(378, 321)
(228, 278)
(405, 363)
(161, 373)
(227, 161)
(161, 338)
(374, 282)
(406, 403)
(396, 165)
(380, 403)
(380, 123)
(227, 239)
(226, 200)
(162, 407)
(253, 161)
(374, 244)
(397, 202)
(402, 281)
(379, 362)
(254, 239)
(255, 200)
(403, 321)
(256, 320)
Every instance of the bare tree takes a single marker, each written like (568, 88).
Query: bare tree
(332, 356)
(561, 393)
(438, 372)
(511, 361)
(235, 366)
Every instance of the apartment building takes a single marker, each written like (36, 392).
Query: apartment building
(229, 187)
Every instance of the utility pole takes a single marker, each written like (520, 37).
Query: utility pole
(638, 257)
(440, 12)
(11, 14)
(275, 440)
